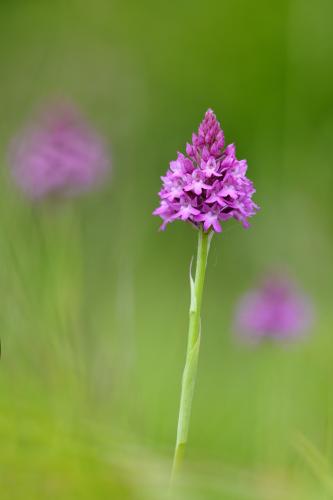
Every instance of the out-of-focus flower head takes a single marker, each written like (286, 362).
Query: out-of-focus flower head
(58, 155)
(276, 309)
(208, 185)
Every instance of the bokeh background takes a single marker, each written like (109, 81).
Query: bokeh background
(94, 300)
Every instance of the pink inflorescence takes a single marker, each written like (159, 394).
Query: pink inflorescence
(208, 185)
(274, 310)
(59, 155)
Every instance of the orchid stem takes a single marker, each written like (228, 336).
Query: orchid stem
(192, 355)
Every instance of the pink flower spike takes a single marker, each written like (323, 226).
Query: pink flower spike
(208, 185)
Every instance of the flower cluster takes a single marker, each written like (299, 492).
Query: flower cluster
(208, 185)
(275, 310)
(59, 155)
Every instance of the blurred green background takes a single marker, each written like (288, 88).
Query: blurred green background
(94, 300)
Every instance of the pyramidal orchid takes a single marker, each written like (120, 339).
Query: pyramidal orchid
(204, 187)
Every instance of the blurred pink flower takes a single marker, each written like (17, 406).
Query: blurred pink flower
(277, 309)
(58, 155)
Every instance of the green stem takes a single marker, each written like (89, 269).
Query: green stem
(192, 355)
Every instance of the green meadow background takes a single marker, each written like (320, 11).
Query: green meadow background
(94, 300)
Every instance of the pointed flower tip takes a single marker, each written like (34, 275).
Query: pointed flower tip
(210, 112)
